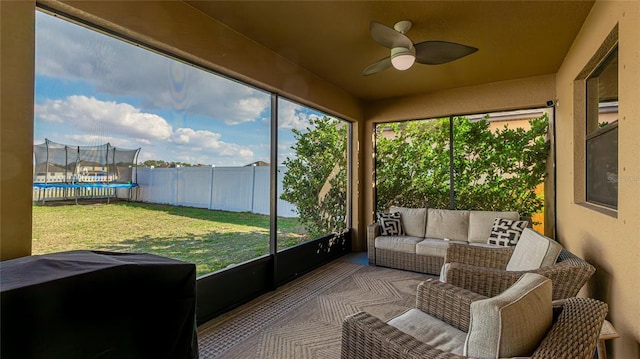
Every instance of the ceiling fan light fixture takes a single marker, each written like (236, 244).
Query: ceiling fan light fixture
(402, 58)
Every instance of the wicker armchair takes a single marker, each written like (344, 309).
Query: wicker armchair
(483, 270)
(573, 334)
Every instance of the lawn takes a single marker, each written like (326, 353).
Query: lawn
(211, 239)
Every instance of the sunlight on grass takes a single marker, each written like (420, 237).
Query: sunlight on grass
(211, 239)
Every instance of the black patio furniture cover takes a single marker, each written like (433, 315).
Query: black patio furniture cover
(89, 304)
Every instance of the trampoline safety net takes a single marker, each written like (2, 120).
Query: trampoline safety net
(66, 166)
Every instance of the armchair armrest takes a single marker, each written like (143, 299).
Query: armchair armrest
(576, 331)
(446, 302)
(485, 281)
(489, 257)
(367, 337)
(567, 277)
(373, 230)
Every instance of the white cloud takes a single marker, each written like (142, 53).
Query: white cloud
(92, 116)
(291, 115)
(81, 120)
(202, 140)
(69, 52)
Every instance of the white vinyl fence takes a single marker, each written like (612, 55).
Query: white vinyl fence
(234, 189)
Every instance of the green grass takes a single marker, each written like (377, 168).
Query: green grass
(210, 239)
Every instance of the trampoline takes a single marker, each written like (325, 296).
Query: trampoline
(83, 171)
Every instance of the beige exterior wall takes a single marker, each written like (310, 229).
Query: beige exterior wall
(611, 244)
(17, 51)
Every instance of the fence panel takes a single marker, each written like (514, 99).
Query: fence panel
(157, 185)
(235, 189)
(232, 189)
(194, 186)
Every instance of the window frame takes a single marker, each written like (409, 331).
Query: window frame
(582, 115)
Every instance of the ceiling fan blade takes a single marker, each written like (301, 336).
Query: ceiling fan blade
(388, 37)
(441, 52)
(377, 66)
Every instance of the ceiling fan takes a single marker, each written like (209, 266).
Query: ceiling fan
(404, 53)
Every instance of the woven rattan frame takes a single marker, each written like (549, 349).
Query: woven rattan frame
(484, 272)
(574, 333)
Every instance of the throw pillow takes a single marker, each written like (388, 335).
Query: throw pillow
(390, 224)
(506, 232)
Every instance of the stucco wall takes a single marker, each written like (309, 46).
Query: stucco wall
(611, 244)
(17, 50)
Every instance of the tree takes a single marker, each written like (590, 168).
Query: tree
(316, 178)
(493, 170)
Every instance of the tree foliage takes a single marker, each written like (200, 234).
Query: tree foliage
(316, 178)
(492, 169)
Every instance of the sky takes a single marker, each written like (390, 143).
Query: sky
(91, 89)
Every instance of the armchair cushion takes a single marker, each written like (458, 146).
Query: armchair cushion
(430, 330)
(512, 323)
(414, 220)
(481, 222)
(533, 251)
(391, 224)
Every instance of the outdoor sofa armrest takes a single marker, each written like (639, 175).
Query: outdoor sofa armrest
(373, 230)
(579, 323)
(446, 302)
(488, 257)
(367, 337)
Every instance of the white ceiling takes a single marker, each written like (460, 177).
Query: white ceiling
(516, 39)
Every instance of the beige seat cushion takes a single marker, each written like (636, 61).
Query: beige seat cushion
(445, 223)
(430, 330)
(533, 251)
(404, 244)
(414, 220)
(480, 223)
(512, 323)
(434, 247)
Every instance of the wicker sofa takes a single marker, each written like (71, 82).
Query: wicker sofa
(451, 322)
(428, 233)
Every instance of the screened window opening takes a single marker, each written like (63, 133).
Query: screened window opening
(493, 161)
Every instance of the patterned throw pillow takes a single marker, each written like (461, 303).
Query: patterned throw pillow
(390, 224)
(506, 232)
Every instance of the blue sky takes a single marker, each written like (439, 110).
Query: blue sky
(92, 89)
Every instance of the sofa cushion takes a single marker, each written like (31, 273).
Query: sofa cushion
(480, 223)
(533, 251)
(430, 330)
(404, 244)
(390, 224)
(445, 223)
(414, 220)
(512, 323)
(434, 247)
(506, 232)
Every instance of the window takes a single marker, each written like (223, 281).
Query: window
(602, 133)
(595, 123)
